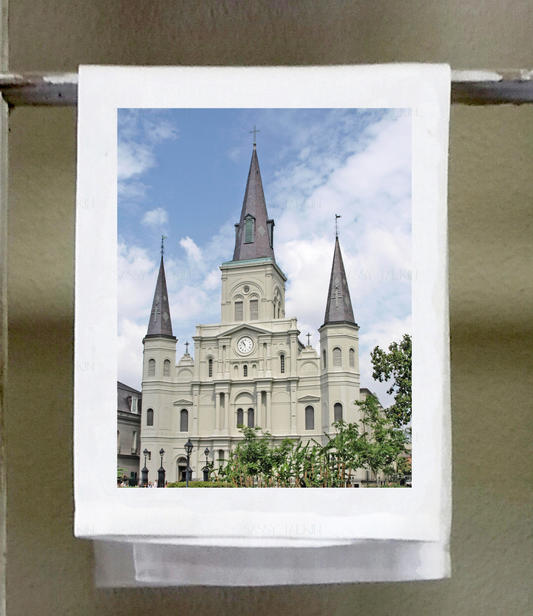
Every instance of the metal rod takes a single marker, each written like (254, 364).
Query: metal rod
(474, 87)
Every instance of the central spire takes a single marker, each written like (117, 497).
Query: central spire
(254, 235)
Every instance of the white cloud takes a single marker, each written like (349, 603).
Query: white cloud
(193, 252)
(155, 218)
(138, 136)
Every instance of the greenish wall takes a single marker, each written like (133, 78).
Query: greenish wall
(491, 258)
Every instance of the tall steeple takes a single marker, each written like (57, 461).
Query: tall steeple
(160, 323)
(339, 304)
(254, 235)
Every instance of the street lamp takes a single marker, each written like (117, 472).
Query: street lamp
(206, 467)
(144, 471)
(188, 448)
(161, 471)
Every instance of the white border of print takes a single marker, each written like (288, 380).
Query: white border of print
(422, 513)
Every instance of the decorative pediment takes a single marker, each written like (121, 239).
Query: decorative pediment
(309, 399)
(242, 326)
(183, 402)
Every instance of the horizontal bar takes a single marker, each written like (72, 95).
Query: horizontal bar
(468, 88)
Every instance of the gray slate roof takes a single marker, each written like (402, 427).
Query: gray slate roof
(255, 205)
(339, 304)
(160, 323)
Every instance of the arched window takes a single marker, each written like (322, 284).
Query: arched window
(251, 422)
(324, 358)
(282, 364)
(151, 367)
(184, 420)
(309, 418)
(166, 368)
(254, 309)
(337, 412)
(248, 230)
(245, 370)
(352, 358)
(150, 417)
(210, 367)
(337, 357)
(240, 417)
(238, 311)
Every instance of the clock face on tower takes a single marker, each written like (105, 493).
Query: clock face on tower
(245, 345)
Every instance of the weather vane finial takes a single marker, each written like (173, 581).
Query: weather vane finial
(163, 238)
(337, 216)
(254, 132)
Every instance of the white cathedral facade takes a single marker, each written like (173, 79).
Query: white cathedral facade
(251, 368)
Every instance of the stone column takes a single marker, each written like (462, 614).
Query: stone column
(217, 413)
(225, 427)
(269, 411)
(268, 361)
(293, 408)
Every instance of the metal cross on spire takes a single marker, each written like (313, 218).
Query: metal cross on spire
(163, 238)
(337, 216)
(254, 132)
(187, 348)
(308, 339)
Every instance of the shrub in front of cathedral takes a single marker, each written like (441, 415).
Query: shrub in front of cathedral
(255, 463)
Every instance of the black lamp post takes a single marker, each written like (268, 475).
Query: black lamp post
(188, 448)
(161, 471)
(144, 471)
(206, 467)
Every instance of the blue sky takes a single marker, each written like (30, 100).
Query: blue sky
(182, 173)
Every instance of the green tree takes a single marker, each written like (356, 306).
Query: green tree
(396, 365)
(382, 442)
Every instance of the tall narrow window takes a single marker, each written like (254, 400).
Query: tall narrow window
(337, 412)
(248, 231)
(245, 371)
(134, 441)
(151, 367)
(134, 405)
(251, 422)
(324, 358)
(184, 420)
(210, 367)
(309, 418)
(279, 309)
(337, 357)
(118, 441)
(240, 417)
(352, 358)
(150, 417)
(254, 309)
(166, 368)
(238, 311)
(282, 364)
(221, 457)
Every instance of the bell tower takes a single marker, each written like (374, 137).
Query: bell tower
(339, 350)
(159, 355)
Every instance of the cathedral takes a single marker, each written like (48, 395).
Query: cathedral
(250, 369)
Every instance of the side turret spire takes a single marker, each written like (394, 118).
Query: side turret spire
(339, 305)
(160, 323)
(254, 235)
